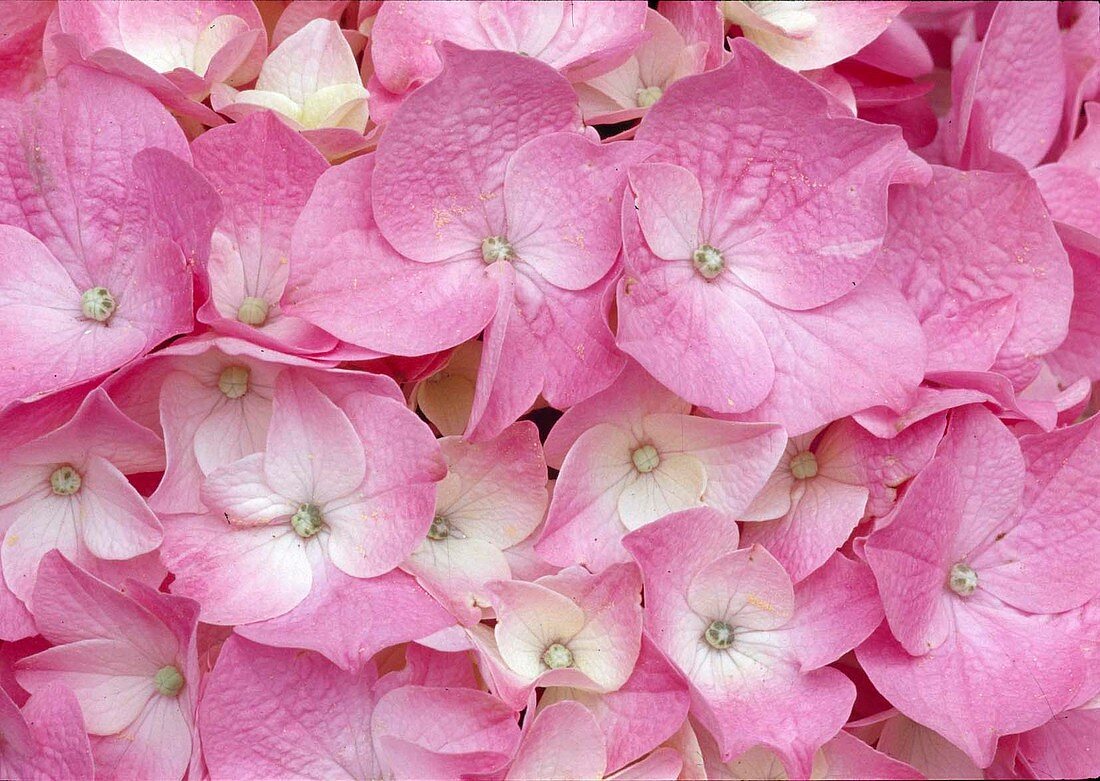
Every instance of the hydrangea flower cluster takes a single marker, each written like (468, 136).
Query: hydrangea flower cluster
(540, 390)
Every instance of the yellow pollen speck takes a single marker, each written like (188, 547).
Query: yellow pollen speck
(759, 603)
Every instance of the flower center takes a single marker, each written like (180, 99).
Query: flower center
(963, 580)
(719, 635)
(253, 311)
(307, 521)
(557, 656)
(65, 481)
(168, 681)
(497, 248)
(647, 96)
(646, 459)
(708, 261)
(233, 381)
(98, 304)
(440, 529)
(804, 465)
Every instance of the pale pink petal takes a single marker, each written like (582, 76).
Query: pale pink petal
(479, 735)
(314, 454)
(669, 203)
(745, 588)
(115, 521)
(349, 619)
(237, 574)
(241, 494)
(567, 226)
(563, 741)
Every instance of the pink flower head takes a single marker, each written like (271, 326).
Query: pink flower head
(825, 483)
(130, 659)
(580, 39)
(271, 712)
(753, 646)
(991, 536)
(312, 83)
(265, 173)
(635, 455)
(807, 35)
(629, 90)
(46, 739)
(744, 295)
(502, 221)
(324, 491)
(570, 629)
(178, 51)
(493, 497)
(67, 490)
(976, 317)
(102, 226)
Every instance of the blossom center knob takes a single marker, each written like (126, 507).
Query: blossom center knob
(307, 521)
(168, 680)
(646, 459)
(708, 261)
(233, 381)
(65, 481)
(253, 311)
(647, 96)
(963, 580)
(557, 656)
(719, 635)
(98, 304)
(804, 465)
(440, 529)
(497, 248)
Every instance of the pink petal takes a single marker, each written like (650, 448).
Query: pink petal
(267, 712)
(669, 203)
(451, 198)
(747, 587)
(563, 741)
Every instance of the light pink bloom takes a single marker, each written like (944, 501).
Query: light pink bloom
(497, 222)
(570, 629)
(349, 485)
(580, 39)
(67, 490)
(741, 295)
(1013, 82)
(264, 173)
(271, 712)
(905, 740)
(1001, 313)
(991, 533)
(104, 222)
(46, 740)
(699, 22)
(754, 647)
(311, 82)
(176, 50)
(807, 35)
(638, 717)
(629, 90)
(844, 758)
(493, 497)
(642, 456)
(130, 659)
(823, 485)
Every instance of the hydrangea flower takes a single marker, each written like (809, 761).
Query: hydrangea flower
(102, 225)
(990, 540)
(130, 659)
(726, 300)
